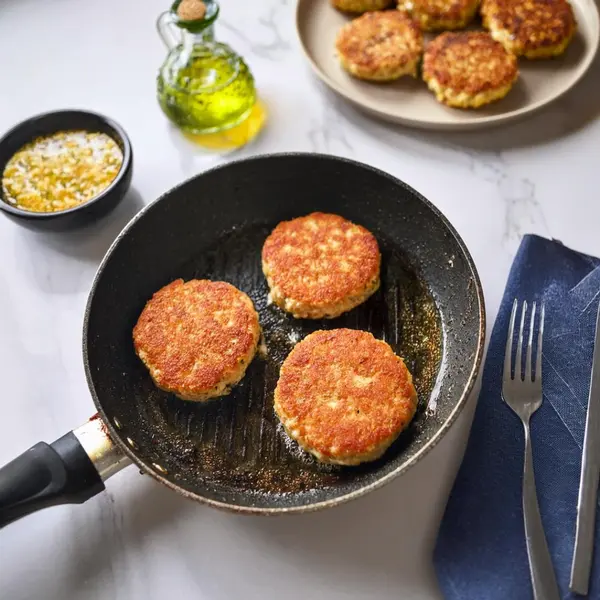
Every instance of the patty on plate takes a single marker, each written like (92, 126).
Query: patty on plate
(361, 6)
(468, 69)
(320, 265)
(440, 15)
(530, 28)
(344, 396)
(197, 338)
(380, 46)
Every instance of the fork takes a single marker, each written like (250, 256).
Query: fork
(523, 393)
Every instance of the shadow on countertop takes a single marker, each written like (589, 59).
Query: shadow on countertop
(91, 242)
(64, 262)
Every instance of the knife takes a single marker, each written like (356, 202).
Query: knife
(588, 483)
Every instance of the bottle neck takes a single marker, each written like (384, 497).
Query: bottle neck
(189, 40)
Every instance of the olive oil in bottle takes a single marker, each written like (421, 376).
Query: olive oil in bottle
(203, 86)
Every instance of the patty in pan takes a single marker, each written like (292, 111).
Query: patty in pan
(320, 266)
(344, 396)
(197, 338)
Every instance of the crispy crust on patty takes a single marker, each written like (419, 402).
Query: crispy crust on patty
(320, 265)
(468, 69)
(530, 28)
(344, 396)
(380, 46)
(440, 15)
(361, 6)
(197, 338)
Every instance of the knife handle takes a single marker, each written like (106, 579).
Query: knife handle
(586, 527)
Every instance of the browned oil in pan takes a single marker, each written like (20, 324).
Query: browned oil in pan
(236, 440)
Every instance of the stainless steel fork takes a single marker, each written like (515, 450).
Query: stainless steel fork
(523, 393)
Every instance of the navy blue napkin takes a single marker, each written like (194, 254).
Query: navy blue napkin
(481, 553)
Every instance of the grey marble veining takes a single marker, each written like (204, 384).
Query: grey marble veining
(140, 540)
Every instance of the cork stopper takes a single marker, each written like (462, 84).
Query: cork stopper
(191, 10)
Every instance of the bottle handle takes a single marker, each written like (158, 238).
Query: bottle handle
(167, 30)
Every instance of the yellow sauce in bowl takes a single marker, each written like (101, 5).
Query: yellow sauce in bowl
(61, 171)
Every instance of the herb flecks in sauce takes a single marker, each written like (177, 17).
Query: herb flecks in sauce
(61, 171)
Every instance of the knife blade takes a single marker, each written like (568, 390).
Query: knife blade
(588, 483)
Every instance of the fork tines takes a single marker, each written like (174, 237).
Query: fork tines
(516, 367)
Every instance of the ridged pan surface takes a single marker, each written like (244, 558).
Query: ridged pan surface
(232, 452)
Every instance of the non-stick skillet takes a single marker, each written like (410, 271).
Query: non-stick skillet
(231, 453)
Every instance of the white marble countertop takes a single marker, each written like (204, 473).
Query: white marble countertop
(139, 540)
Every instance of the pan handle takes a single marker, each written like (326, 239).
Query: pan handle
(69, 471)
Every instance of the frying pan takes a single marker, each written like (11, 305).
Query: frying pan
(231, 453)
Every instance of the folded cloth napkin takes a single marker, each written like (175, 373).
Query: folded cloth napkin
(481, 552)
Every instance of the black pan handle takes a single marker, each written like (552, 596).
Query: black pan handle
(69, 471)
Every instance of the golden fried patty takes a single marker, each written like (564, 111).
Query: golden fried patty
(197, 338)
(530, 28)
(361, 6)
(468, 69)
(320, 265)
(344, 396)
(380, 46)
(439, 15)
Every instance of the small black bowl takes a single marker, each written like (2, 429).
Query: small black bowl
(64, 120)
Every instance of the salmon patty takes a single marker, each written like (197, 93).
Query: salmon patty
(531, 28)
(361, 6)
(197, 338)
(344, 396)
(380, 46)
(440, 15)
(320, 266)
(468, 69)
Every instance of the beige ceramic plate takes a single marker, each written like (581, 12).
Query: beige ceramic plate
(409, 102)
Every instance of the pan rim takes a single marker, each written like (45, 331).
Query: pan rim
(310, 507)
